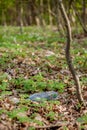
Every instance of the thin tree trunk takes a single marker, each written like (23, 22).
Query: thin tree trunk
(21, 17)
(29, 11)
(33, 13)
(68, 57)
(69, 6)
(38, 17)
(58, 18)
(84, 12)
(42, 11)
(50, 16)
(4, 18)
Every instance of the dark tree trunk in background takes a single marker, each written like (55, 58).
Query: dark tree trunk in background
(35, 13)
(58, 18)
(21, 17)
(4, 18)
(69, 6)
(32, 12)
(68, 57)
(50, 16)
(84, 12)
(39, 12)
(42, 12)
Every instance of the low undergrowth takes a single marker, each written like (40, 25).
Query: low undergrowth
(34, 62)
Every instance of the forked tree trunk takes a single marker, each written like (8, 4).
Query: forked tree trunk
(68, 57)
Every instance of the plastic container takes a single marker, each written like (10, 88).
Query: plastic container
(44, 96)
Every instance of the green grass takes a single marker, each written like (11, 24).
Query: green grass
(29, 45)
(24, 67)
(37, 83)
(82, 120)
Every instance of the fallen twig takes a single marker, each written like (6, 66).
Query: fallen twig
(56, 126)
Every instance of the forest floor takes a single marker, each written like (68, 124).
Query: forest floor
(34, 61)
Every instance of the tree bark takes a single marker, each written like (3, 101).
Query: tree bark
(68, 57)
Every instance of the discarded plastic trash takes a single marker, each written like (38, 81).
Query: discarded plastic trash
(44, 96)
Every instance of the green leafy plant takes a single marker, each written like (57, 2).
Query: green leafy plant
(3, 86)
(3, 82)
(16, 113)
(31, 128)
(55, 85)
(51, 115)
(38, 122)
(84, 80)
(29, 85)
(18, 82)
(5, 93)
(82, 119)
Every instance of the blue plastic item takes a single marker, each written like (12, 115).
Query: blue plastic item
(44, 96)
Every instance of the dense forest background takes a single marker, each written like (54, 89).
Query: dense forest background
(43, 48)
(42, 12)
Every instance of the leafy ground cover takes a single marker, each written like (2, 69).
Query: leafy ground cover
(34, 62)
